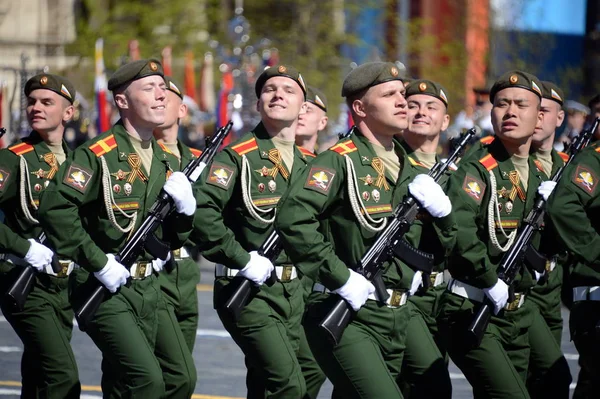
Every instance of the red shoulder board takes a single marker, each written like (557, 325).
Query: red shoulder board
(488, 162)
(344, 148)
(165, 148)
(487, 139)
(245, 146)
(196, 152)
(103, 146)
(306, 152)
(597, 150)
(21, 148)
(565, 157)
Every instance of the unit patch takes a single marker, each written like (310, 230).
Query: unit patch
(319, 179)
(78, 178)
(220, 175)
(4, 175)
(585, 179)
(475, 188)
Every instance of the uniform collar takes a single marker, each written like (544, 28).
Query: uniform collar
(124, 146)
(366, 153)
(265, 144)
(40, 147)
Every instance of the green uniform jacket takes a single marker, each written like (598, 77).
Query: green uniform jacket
(224, 229)
(574, 208)
(74, 213)
(475, 260)
(16, 229)
(187, 155)
(319, 228)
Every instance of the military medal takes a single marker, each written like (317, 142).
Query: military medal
(367, 179)
(503, 193)
(366, 195)
(499, 207)
(117, 188)
(40, 174)
(46, 183)
(375, 195)
(37, 187)
(261, 187)
(509, 206)
(272, 185)
(120, 175)
(264, 171)
(127, 188)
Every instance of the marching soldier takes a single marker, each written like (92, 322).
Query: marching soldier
(236, 199)
(549, 374)
(45, 324)
(98, 198)
(491, 192)
(424, 356)
(313, 121)
(178, 319)
(334, 212)
(573, 210)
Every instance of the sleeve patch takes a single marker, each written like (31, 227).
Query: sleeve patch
(78, 177)
(475, 188)
(4, 176)
(220, 175)
(319, 179)
(585, 178)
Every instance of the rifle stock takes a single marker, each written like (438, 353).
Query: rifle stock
(160, 210)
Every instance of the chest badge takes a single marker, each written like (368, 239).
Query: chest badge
(376, 196)
(366, 195)
(368, 180)
(120, 175)
(261, 187)
(508, 206)
(127, 188)
(272, 185)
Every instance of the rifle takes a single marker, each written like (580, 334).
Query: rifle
(144, 237)
(371, 264)
(342, 136)
(511, 262)
(270, 249)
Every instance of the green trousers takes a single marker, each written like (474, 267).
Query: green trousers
(547, 298)
(367, 360)
(179, 289)
(268, 332)
(125, 329)
(583, 324)
(48, 368)
(498, 367)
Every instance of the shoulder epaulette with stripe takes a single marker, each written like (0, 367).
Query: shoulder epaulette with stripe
(21, 148)
(597, 149)
(565, 157)
(414, 162)
(487, 139)
(488, 162)
(103, 146)
(344, 148)
(195, 152)
(165, 148)
(245, 146)
(306, 152)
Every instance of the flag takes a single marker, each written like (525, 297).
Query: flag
(189, 79)
(207, 89)
(134, 50)
(166, 61)
(223, 112)
(103, 122)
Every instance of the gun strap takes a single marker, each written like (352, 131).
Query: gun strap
(535, 259)
(156, 247)
(414, 257)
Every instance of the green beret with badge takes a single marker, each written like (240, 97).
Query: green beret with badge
(427, 87)
(279, 70)
(135, 70)
(54, 83)
(520, 79)
(552, 92)
(368, 75)
(316, 96)
(171, 86)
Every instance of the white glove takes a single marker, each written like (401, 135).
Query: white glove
(258, 269)
(158, 264)
(180, 189)
(430, 195)
(356, 290)
(537, 275)
(417, 281)
(38, 255)
(113, 274)
(546, 188)
(498, 294)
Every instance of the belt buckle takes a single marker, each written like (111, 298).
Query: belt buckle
(64, 268)
(514, 305)
(140, 271)
(396, 298)
(286, 273)
(432, 278)
(177, 254)
(550, 264)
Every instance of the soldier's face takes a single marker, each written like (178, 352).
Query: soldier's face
(146, 101)
(515, 114)
(175, 110)
(281, 100)
(552, 117)
(426, 115)
(311, 122)
(47, 110)
(384, 108)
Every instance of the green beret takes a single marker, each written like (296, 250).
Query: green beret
(279, 70)
(171, 86)
(423, 86)
(368, 75)
(552, 92)
(520, 79)
(316, 97)
(54, 83)
(133, 71)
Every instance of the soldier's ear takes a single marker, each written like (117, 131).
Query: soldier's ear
(560, 117)
(358, 107)
(121, 101)
(183, 109)
(68, 113)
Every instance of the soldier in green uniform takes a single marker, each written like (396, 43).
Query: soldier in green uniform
(99, 196)
(236, 199)
(313, 120)
(573, 210)
(45, 324)
(424, 356)
(549, 374)
(334, 212)
(178, 319)
(491, 192)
